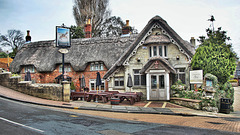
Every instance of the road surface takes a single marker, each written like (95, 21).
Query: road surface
(19, 118)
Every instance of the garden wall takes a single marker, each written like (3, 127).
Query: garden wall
(191, 103)
(47, 91)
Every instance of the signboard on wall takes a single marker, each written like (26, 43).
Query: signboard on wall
(63, 38)
(196, 77)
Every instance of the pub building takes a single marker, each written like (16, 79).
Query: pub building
(155, 58)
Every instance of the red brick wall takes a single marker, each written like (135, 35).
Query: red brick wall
(3, 65)
(49, 77)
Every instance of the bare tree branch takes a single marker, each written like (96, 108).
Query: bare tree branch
(13, 39)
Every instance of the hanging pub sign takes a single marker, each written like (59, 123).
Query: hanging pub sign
(63, 38)
(196, 77)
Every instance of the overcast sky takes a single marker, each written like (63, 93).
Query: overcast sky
(187, 17)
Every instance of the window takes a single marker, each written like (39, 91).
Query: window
(160, 50)
(119, 81)
(165, 51)
(181, 74)
(154, 50)
(93, 85)
(67, 68)
(139, 79)
(150, 51)
(96, 66)
(31, 69)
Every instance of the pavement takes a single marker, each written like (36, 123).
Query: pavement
(144, 107)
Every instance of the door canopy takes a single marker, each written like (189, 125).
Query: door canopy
(156, 61)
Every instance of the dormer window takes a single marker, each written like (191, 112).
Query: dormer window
(67, 68)
(96, 66)
(158, 50)
(29, 68)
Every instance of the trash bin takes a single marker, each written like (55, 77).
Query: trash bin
(225, 105)
(115, 101)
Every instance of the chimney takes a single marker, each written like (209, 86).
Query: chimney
(126, 29)
(193, 41)
(88, 29)
(28, 37)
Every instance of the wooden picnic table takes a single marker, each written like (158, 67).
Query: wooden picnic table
(104, 96)
(139, 95)
(76, 95)
(129, 97)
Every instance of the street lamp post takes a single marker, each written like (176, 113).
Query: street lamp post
(8, 59)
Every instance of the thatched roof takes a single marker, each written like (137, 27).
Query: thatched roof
(157, 39)
(186, 47)
(44, 55)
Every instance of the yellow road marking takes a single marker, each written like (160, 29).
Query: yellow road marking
(164, 105)
(147, 104)
(75, 107)
(73, 116)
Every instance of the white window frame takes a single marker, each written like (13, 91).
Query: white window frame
(96, 66)
(119, 79)
(181, 73)
(93, 81)
(164, 51)
(29, 68)
(140, 78)
(67, 68)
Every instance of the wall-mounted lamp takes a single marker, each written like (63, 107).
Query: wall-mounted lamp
(178, 57)
(138, 59)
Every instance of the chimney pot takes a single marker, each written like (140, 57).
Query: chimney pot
(127, 22)
(88, 29)
(193, 41)
(89, 21)
(28, 37)
(126, 29)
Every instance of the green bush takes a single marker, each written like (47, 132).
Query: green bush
(228, 91)
(13, 75)
(72, 87)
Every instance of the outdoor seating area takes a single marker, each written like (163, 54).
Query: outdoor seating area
(104, 97)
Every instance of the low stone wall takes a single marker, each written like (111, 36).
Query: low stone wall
(191, 103)
(47, 91)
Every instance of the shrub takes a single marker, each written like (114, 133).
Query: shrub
(72, 87)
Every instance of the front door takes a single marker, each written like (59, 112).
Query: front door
(158, 89)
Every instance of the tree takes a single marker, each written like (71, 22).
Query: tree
(96, 10)
(3, 55)
(76, 32)
(13, 39)
(113, 27)
(103, 25)
(214, 55)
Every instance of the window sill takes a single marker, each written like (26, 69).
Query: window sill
(139, 87)
(118, 88)
(166, 58)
